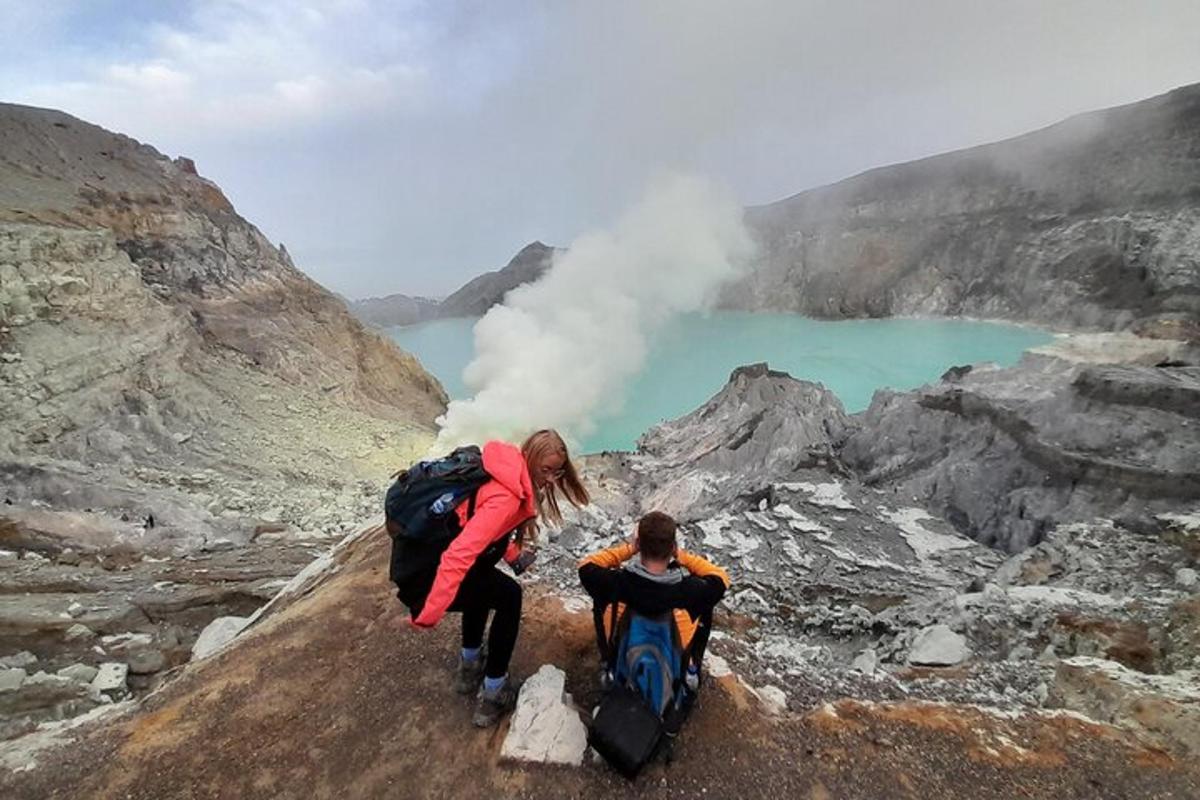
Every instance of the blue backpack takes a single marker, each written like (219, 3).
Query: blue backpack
(650, 660)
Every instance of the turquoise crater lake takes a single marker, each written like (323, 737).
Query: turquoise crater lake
(690, 360)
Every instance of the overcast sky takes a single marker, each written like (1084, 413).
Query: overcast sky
(407, 146)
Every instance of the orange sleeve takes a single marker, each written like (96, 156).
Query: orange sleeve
(612, 557)
(700, 567)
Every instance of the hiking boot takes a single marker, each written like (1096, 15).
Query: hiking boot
(490, 707)
(469, 674)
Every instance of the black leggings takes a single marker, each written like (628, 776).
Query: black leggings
(484, 589)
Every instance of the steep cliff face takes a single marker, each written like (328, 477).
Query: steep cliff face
(60, 176)
(148, 332)
(1093, 222)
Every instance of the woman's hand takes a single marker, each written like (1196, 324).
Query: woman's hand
(523, 561)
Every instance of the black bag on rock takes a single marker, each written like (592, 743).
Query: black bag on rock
(625, 731)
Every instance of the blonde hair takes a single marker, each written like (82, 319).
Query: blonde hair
(536, 448)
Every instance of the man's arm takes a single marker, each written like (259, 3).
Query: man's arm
(704, 587)
(701, 567)
(612, 557)
(598, 572)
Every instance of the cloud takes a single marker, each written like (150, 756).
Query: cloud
(407, 146)
(235, 70)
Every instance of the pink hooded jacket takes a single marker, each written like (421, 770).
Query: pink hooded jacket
(501, 505)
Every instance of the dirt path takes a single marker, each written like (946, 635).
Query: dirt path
(332, 699)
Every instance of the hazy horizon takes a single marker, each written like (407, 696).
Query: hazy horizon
(408, 147)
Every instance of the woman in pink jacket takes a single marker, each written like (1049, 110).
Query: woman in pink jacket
(525, 485)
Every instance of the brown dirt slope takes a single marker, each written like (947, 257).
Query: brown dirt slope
(330, 697)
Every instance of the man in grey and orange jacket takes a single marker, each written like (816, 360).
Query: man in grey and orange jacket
(663, 578)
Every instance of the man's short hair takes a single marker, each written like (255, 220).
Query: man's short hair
(656, 535)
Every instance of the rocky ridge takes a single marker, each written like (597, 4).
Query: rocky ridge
(1092, 223)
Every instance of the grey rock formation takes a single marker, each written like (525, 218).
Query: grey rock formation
(761, 426)
(1093, 222)
(187, 416)
(485, 291)
(1006, 454)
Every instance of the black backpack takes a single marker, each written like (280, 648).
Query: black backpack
(419, 510)
(420, 504)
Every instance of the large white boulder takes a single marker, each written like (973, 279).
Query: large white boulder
(938, 646)
(545, 727)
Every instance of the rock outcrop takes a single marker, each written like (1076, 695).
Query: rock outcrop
(1090, 223)
(1006, 454)
(761, 426)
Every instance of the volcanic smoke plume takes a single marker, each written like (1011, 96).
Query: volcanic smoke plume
(558, 352)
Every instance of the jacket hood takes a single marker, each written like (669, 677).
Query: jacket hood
(674, 573)
(505, 463)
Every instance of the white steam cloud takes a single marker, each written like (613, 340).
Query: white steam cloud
(559, 351)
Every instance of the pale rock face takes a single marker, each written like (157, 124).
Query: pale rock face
(1164, 706)
(774, 700)
(220, 632)
(938, 646)
(545, 728)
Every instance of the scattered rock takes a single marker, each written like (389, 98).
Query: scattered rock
(1187, 578)
(938, 646)
(82, 673)
(78, 632)
(865, 662)
(21, 659)
(111, 678)
(12, 678)
(773, 699)
(545, 727)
